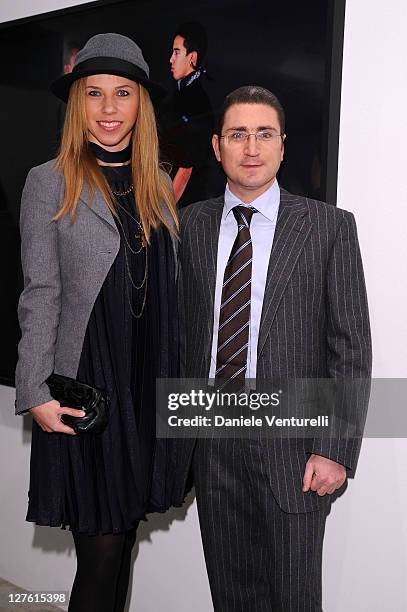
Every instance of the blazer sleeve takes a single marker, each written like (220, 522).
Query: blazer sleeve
(349, 351)
(40, 302)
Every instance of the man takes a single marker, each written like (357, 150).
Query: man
(288, 270)
(189, 119)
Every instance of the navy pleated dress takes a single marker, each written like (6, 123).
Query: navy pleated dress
(105, 483)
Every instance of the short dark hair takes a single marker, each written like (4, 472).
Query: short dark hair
(252, 94)
(195, 38)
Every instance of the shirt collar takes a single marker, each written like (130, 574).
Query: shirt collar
(190, 78)
(267, 203)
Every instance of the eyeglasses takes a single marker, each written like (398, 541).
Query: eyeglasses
(240, 137)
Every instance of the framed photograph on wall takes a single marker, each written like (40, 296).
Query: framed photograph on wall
(294, 49)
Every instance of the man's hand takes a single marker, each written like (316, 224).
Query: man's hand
(48, 417)
(323, 475)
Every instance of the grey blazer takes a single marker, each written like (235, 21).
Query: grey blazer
(314, 322)
(64, 267)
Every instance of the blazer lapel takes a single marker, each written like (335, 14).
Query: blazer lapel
(98, 205)
(292, 231)
(205, 248)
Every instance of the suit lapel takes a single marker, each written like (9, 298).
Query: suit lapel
(292, 231)
(98, 205)
(205, 248)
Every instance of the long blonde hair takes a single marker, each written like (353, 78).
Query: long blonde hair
(152, 186)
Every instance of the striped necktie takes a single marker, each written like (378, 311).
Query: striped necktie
(234, 317)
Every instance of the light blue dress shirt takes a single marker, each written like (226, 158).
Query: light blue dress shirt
(262, 230)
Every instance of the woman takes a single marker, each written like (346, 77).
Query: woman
(98, 227)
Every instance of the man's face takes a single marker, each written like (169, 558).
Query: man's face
(250, 165)
(181, 62)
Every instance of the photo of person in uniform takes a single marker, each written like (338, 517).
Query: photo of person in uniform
(189, 121)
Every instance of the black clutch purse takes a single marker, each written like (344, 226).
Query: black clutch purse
(73, 394)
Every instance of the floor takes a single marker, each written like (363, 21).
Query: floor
(6, 589)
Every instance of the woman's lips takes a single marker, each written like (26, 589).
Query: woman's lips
(109, 126)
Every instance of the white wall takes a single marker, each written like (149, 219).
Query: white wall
(366, 540)
(17, 9)
(366, 536)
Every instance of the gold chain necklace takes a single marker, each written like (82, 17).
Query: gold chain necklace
(144, 282)
(125, 192)
(140, 236)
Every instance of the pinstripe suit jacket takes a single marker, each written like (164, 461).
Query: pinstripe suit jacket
(314, 322)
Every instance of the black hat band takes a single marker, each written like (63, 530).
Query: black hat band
(106, 65)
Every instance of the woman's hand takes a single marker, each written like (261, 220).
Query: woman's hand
(48, 417)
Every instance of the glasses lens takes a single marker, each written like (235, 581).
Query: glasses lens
(237, 137)
(266, 136)
(263, 136)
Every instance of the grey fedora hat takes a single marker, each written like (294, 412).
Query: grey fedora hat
(109, 54)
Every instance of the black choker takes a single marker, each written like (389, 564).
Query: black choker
(111, 157)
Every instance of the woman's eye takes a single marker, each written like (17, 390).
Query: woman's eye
(93, 93)
(122, 93)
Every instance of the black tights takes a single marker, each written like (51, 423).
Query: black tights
(103, 570)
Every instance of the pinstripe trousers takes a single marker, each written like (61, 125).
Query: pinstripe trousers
(258, 557)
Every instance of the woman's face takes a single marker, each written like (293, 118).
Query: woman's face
(111, 104)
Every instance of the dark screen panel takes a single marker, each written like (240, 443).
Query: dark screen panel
(293, 48)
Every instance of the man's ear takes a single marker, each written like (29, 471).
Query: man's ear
(282, 147)
(194, 59)
(216, 147)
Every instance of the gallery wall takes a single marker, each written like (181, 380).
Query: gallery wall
(366, 536)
